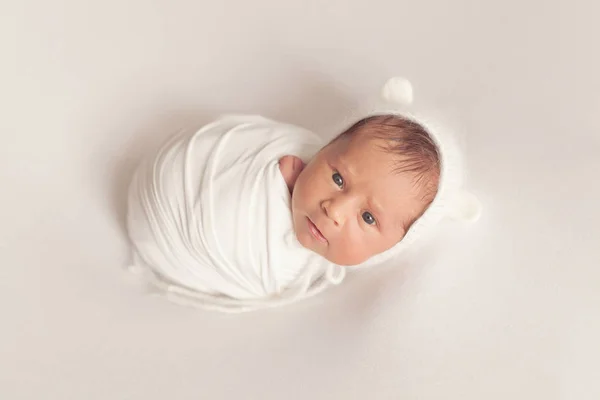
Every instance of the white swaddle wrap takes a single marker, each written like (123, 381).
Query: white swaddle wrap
(210, 216)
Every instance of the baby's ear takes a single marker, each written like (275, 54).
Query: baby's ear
(464, 206)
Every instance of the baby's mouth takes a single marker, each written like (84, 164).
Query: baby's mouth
(315, 232)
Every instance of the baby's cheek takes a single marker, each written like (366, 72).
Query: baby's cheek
(349, 252)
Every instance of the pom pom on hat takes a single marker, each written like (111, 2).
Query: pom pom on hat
(464, 206)
(398, 90)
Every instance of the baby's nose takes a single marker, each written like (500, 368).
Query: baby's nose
(336, 210)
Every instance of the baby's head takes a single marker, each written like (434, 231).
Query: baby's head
(361, 193)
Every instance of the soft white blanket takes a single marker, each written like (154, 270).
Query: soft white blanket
(210, 216)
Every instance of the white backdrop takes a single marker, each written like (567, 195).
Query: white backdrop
(506, 308)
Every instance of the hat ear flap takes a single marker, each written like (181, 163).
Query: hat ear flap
(464, 206)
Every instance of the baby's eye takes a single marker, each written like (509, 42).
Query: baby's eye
(368, 218)
(337, 178)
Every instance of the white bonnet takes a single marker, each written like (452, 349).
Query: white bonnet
(451, 200)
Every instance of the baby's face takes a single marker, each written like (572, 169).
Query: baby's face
(349, 205)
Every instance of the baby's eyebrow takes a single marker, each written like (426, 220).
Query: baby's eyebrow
(345, 167)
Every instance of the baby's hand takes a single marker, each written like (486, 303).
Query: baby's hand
(290, 167)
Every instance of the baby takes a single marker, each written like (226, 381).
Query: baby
(360, 194)
(248, 212)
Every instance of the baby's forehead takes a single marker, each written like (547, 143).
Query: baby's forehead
(365, 154)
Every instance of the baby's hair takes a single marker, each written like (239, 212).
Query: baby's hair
(416, 150)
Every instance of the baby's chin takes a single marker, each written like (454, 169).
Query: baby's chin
(345, 262)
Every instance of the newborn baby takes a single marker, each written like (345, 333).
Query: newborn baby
(361, 193)
(247, 212)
